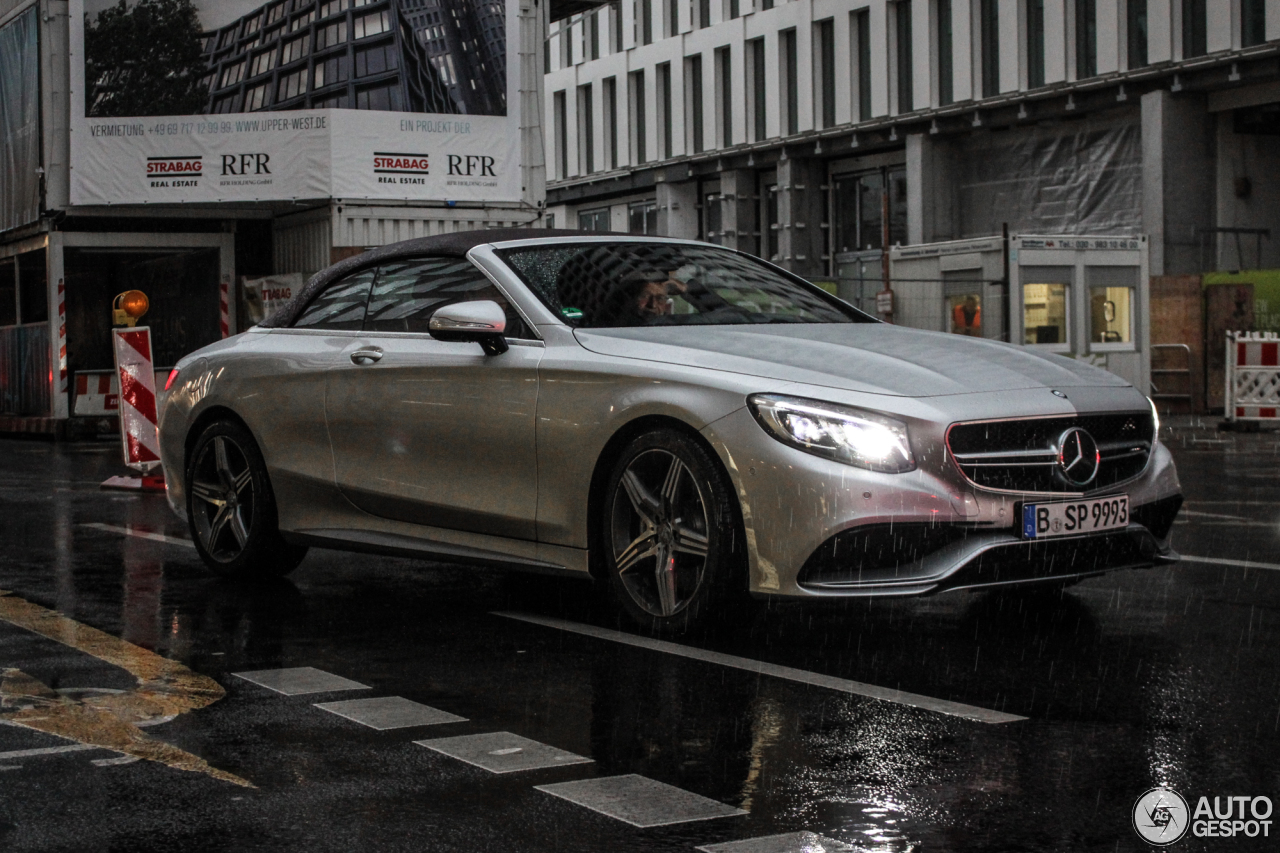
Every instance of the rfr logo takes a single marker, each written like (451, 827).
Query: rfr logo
(466, 165)
(245, 164)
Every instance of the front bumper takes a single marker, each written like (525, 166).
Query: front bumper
(816, 528)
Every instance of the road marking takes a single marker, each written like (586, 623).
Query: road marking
(300, 680)
(1222, 561)
(790, 842)
(106, 720)
(1216, 515)
(389, 712)
(141, 534)
(639, 801)
(901, 697)
(48, 750)
(115, 762)
(503, 752)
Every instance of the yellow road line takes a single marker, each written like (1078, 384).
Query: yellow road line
(109, 721)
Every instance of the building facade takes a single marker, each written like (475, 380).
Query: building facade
(61, 263)
(810, 132)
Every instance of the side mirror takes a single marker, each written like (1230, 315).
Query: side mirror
(483, 322)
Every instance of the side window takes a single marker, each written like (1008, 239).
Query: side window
(341, 306)
(409, 292)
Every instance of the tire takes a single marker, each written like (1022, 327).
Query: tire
(231, 509)
(669, 504)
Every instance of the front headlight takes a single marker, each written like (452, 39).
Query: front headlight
(843, 433)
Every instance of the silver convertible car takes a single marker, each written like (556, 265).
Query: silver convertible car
(680, 421)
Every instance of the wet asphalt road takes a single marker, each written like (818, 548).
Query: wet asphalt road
(1168, 676)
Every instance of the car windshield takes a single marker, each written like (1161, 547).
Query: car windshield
(619, 285)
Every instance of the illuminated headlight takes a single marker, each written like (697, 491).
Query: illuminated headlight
(1155, 422)
(845, 434)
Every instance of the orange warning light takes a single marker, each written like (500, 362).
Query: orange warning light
(129, 306)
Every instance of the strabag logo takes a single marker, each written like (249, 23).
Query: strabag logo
(175, 171)
(394, 168)
(1160, 816)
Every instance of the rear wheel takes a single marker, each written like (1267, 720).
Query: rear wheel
(231, 509)
(670, 532)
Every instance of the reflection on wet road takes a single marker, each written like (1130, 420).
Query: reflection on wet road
(451, 728)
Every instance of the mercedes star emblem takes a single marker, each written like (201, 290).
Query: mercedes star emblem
(1078, 456)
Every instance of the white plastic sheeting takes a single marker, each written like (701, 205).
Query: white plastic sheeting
(19, 121)
(1085, 179)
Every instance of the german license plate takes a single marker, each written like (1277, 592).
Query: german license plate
(1072, 518)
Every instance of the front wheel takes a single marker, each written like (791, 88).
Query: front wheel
(231, 509)
(670, 532)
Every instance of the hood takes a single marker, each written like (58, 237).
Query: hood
(876, 358)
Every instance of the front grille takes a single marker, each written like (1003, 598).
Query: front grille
(1022, 455)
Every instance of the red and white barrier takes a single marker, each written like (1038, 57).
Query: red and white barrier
(224, 306)
(1253, 377)
(138, 435)
(98, 392)
(62, 337)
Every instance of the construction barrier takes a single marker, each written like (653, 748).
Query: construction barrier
(1253, 378)
(97, 392)
(139, 438)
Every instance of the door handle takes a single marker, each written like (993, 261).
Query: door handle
(366, 356)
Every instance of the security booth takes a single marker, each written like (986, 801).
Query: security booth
(1082, 297)
(954, 286)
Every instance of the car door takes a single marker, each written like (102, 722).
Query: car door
(282, 394)
(431, 432)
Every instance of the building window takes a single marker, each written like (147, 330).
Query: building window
(594, 220)
(1253, 22)
(371, 25)
(767, 192)
(902, 45)
(824, 37)
(376, 60)
(964, 310)
(666, 115)
(646, 21)
(256, 98)
(332, 7)
(732, 9)
(1136, 28)
(1111, 315)
(693, 103)
(1087, 38)
(561, 120)
(593, 34)
(226, 104)
(275, 13)
(231, 75)
(790, 83)
(756, 91)
(859, 209)
(301, 21)
(251, 26)
(1195, 30)
(946, 85)
(1044, 314)
(989, 39)
(642, 217)
(1035, 44)
(385, 98)
(330, 35)
(263, 62)
(673, 18)
(638, 126)
(611, 122)
(615, 26)
(766, 5)
(586, 131)
(330, 70)
(292, 85)
(710, 214)
(704, 14)
(861, 24)
(566, 44)
(294, 50)
(724, 84)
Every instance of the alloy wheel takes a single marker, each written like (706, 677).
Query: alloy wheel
(659, 532)
(223, 488)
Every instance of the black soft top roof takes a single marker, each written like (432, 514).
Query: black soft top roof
(455, 245)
